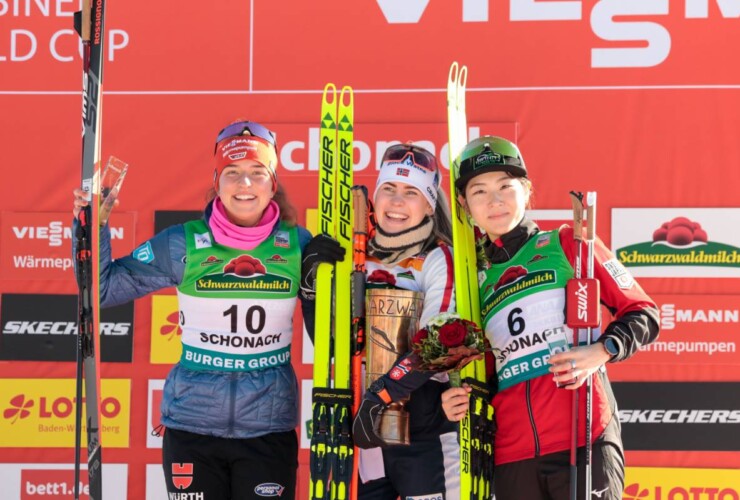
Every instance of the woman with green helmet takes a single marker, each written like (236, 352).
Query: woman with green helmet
(522, 276)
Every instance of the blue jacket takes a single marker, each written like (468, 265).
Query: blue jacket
(223, 404)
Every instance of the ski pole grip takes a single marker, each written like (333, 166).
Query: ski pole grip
(591, 215)
(576, 198)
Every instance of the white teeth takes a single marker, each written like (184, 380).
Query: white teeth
(395, 216)
(244, 197)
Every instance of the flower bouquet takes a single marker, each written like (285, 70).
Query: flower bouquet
(447, 343)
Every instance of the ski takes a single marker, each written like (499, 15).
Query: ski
(332, 450)
(476, 451)
(89, 24)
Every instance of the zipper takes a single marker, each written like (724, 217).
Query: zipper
(531, 421)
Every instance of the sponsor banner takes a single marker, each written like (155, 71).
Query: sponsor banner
(166, 334)
(40, 413)
(44, 328)
(573, 43)
(166, 218)
(38, 246)
(155, 482)
(678, 242)
(298, 148)
(154, 414)
(679, 416)
(653, 483)
(695, 330)
(56, 481)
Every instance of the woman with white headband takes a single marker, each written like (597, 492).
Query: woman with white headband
(410, 250)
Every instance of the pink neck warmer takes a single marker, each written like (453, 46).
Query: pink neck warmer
(244, 238)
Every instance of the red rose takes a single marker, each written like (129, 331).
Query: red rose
(419, 336)
(452, 334)
(380, 276)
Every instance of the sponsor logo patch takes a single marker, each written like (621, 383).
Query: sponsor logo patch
(269, 490)
(282, 239)
(211, 260)
(542, 240)
(182, 476)
(619, 274)
(401, 370)
(277, 258)
(203, 240)
(144, 253)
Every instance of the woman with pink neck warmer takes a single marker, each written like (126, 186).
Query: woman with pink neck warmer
(230, 405)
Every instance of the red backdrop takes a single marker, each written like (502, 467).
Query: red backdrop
(635, 100)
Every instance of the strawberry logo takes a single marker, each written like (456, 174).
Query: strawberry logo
(172, 328)
(511, 275)
(680, 232)
(20, 408)
(244, 266)
(380, 276)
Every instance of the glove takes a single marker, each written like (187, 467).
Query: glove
(366, 425)
(320, 249)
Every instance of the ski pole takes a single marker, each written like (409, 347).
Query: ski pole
(359, 247)
(590, 235)
(576, 199)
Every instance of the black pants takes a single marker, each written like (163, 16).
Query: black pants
(212, 468)
(428, 470)
(548, 477)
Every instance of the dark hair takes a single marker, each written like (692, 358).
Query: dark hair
(288, 213)
(442, 224)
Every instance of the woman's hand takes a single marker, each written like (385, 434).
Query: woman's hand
(81, 201)
(455, 402)
(571, 368)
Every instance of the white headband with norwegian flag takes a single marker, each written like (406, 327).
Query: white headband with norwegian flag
(408, 172)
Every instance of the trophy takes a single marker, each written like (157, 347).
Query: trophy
(107, 184)
(391, 320)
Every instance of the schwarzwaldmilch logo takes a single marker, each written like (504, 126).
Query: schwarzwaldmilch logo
(680, 242)
(514, 280)
(277, 259)
(244, 273)
(19, 408)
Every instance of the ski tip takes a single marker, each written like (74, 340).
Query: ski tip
(347, 96)
(330, 90)
(463, 78)
(453, 71)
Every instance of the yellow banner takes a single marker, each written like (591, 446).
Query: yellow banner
(40, 413)
(166, 345)
(647, 483)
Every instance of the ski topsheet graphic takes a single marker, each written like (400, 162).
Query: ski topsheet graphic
(476, 429)
(332, 451)
(90, 24)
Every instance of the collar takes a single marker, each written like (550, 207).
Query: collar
(509, 244)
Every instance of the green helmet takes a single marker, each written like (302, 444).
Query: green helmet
(488, 154)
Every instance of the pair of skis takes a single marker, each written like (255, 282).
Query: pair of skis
(476, 429)
(89, 24)
(332, 453)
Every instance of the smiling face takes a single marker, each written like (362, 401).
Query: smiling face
(496, 202)
(400, 206)
(245, 189)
